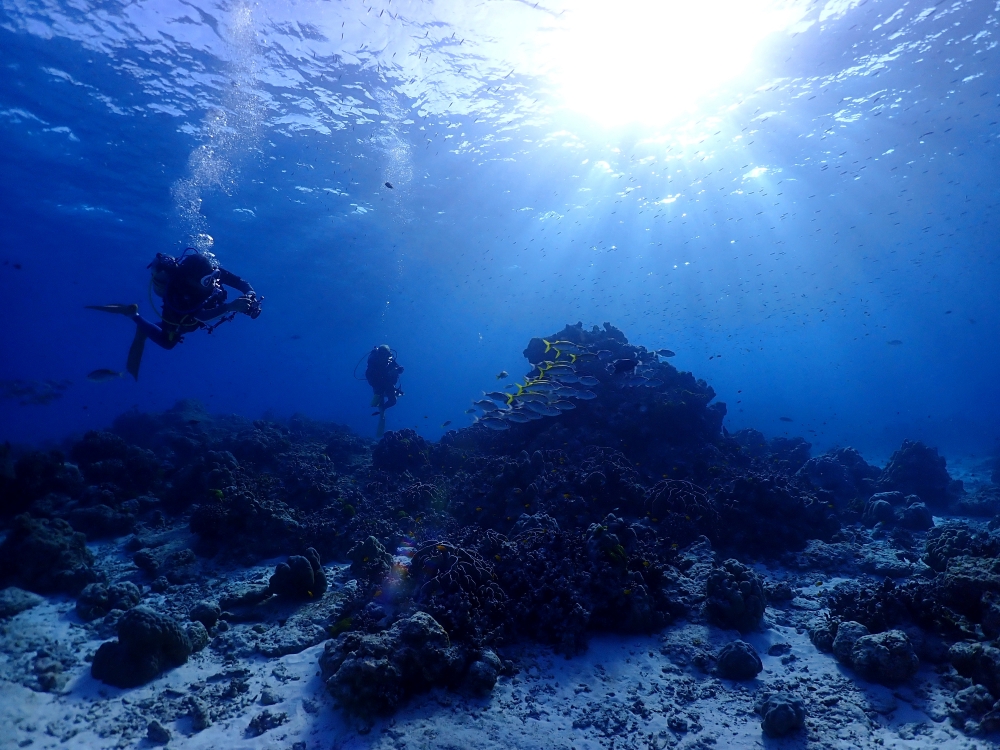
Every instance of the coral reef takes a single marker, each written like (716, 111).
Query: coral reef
(46, 556)
(738, 660)
(915, 469)
(781, 714)
(148, 643)
(98, 599)
(301, 577)
(735, 597)
(624, 512)
(373, 674)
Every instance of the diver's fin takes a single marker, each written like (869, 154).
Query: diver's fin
(135, 353)
(128, 310)
(381, 425)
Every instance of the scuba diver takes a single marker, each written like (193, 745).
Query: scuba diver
(191, 287)
(382, 374)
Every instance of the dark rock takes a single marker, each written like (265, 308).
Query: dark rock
(984, 503)
(989, 608)
(781, 714)
(265, 721)
(735, 597)
(915, 469)
(970, 704)
(958, 539)
(369, 560)
(200, 716)
(789, 454)
(268, 697)
(822, 632)
(882, 508)
(14, 601)
(206, 612)
(400, 450)
(101, 521)
(302, 577)
(97, 599)
(887, 658)
(526, 523)
(767, 515)
(483, 673)
(738, 660)
(46, 556)
(197, 634)
(841, 472)
(979, 662)
(156, 733)
(916, 517)
(847, 636)
(35, 475)
(148, 643)
(373, 674)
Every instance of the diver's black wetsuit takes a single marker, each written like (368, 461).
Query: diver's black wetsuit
(188, 305)
(382, 374)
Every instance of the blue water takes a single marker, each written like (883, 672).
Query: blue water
(777, 226)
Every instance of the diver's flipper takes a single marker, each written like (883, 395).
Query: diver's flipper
(128, 310)
(135, 353)
(381, 425)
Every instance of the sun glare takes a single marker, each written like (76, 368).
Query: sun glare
(648, 61)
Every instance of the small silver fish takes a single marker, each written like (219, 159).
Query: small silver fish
(636, 380)
(585, 395)
(102, 375)
(563, 405)
(588, 380)
(518, 417)
(544, 409)
(665, 353)
(492, 423)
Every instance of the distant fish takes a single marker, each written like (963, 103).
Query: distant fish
(786, 419)
(445, 424)
(470, 411)
(894, 342)
(492, 423)
(502, 375)
(565, 347)
(296, 336)
(518, 417)
(585, 395)
(563, 405)
(544, 409)
(389, 185)
(102, 375)
(665, 353)
(626, 364)
(486, 405)
(588, 380)
(636, 380)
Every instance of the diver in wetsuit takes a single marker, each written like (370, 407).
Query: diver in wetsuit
(382, 374)
(191, 287)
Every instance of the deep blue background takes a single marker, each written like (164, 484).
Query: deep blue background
(861, 231)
